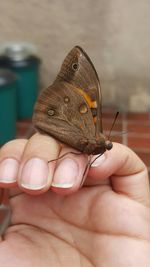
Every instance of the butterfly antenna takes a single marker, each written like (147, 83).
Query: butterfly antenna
(116, 116)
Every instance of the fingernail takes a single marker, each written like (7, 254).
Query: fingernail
(98, 161)
(8, 170)
(34, 174)
(66, 174)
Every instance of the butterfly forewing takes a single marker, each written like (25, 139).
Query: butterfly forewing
(84, 77)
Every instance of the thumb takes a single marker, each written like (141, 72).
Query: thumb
(127, 173)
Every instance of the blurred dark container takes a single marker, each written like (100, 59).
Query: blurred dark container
(8, 102)
(19, 59)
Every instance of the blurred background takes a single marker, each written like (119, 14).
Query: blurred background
(116, 36)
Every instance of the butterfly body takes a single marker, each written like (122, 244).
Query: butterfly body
(70, 109)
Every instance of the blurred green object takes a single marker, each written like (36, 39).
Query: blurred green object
(28, 74)
(8, 108)
(18, 58)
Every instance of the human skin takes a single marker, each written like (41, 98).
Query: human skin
(54, 222)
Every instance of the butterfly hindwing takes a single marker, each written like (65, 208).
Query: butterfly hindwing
(64, 114)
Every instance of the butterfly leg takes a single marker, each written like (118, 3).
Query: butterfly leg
(71, 152)
(88, 165)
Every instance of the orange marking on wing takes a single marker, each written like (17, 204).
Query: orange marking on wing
(92, 104)
(95, 119)
(81, 126)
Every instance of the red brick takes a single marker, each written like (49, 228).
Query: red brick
(26, 121)
(22, 128)
(21, 131)
(107, 124)
(145, 156)
(139, 142)
(138, 127)
(138, 116)
(117, 139)
(111, 115)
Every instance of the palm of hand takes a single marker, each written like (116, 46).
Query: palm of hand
(83, 229)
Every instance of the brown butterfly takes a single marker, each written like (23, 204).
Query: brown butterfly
(70, 109)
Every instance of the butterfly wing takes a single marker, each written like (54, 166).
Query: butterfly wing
(70, 109)
(63, 113)
(78, 70)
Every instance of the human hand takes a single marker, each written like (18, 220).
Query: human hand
(105, 223)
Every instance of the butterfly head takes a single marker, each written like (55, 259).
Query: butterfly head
(108, 145)
(102, 146)
(98, 146)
